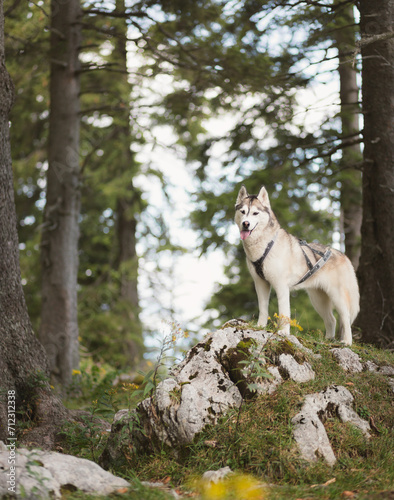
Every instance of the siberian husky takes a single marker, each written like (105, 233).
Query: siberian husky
(276, 258)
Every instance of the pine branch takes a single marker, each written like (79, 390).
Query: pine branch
(368, 39)
(11, 8)
(113, 13)
(102, 67)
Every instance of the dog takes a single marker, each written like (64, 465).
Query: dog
(276, 258)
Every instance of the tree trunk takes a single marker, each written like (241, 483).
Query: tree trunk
(128, 260)
(127, 205)
(376, 269)
(351, 210)
(23, 364)
(59, 252)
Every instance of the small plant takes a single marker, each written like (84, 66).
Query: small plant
(279, 321)
(153, 376)
(253, 368)
(87, 436)
(364, 412)
(89, 382)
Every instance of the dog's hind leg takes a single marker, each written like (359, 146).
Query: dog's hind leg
(323, 305)
(345, 330)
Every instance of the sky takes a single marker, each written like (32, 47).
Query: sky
(194, 276)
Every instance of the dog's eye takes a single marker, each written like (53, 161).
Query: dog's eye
(255, 213)
(243, 212)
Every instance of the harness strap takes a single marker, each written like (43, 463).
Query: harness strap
(319, 264)
(258, 264)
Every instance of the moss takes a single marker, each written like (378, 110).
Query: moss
(246, 344)
(274, 348)
(207, 345)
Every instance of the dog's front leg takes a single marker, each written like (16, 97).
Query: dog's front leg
(283, 295)
(263, 289)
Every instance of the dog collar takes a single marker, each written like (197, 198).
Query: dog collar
(258, 264)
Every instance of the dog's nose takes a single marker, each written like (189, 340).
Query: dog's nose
(245, 224)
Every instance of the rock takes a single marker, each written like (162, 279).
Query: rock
(231, 364)
(42, 475)
(311, 437)
(289, 368)
(390, 381)
(309, 431)
(370, 366)
(387, 371)
(347, 359)
(214, 376)
(214, 476)
(269, 385)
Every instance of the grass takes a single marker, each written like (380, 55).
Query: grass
(258, 442)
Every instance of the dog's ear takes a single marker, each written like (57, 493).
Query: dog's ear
(241, 195)
(263, 197)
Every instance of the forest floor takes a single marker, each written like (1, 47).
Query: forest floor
(255, 441)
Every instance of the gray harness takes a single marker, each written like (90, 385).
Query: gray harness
(319, 264)
(312, 268)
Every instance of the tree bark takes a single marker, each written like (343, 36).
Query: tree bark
(350, 177)
(59, 244)
(127, 205)
(376, 269)
(23, 364)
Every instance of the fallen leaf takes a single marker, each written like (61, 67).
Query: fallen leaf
(348, 494)
(211, 444)
(122, 490)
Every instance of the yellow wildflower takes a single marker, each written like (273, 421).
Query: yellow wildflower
(294, 323)
(246, 488)
(214, 491)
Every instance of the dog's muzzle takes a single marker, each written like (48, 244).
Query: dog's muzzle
(246, 231)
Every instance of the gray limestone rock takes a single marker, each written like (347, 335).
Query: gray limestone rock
(347, 359)
(215, 476)
(215, 376)
(41, 474)
(289, 367)
(309, 431)
(387, 371)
